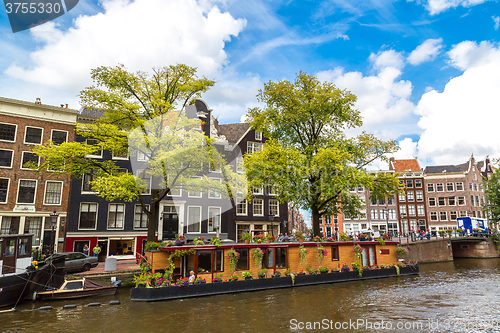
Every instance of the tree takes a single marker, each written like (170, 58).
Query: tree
(309, 158)
(492, 193)
(144, 116)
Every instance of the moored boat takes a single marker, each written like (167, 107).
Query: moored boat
(19, 278)
(262, 266)
(77, 288)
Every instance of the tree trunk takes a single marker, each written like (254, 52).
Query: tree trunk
(315, 217)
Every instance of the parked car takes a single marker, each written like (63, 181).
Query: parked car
(77, 261)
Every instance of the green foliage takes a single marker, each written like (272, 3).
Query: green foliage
(246, 236)
(140, 116)
(215, 241)
(309, 159)
(303, 251)
(262, 273)
(381, 241)
(182, 253)
(151, 246)
(233, 257)
(257, 255)
(246, 275)
(492, 194)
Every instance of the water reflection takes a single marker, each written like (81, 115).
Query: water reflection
(443, 293)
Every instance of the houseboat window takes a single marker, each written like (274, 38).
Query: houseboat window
(243, 261)
(23, 247)
(335, 253)
(10, 247)
(270, 258)
(204, 261)
(219, 260)
(280, 257)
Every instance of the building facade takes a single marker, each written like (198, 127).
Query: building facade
(412, 211)
(32, 202)
(453, 191)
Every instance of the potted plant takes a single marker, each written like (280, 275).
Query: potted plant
(150, 246)
(233, 277)
(357, 267)
(233, 257)
(199, 280)
(217, 278)
(179, 240)
(317, 239)
(345, 268)
(182, 282)
(323, 269)
(198, 241)
(270, 238)
(277, 274)
(259, 238)
(262, 274)
(246, 237)
(313, 271)
(257, 255)
(303, 255)
(300, 273)
(215, 241)
(322, 252)
(247, 275)
(344, 237)
(401, 251)
(300, 236)
(287, 271)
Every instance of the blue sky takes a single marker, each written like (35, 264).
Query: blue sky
(426, 72)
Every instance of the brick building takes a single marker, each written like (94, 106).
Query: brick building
(27, 197)
(453, 191)
(411, 204)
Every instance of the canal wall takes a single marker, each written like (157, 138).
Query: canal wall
(429, 251)
(474, 249)
(446, 249)
(126, 277)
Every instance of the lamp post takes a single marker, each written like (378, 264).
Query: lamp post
(271, 218)
(336, 223)
(53, 223)
(386, 209)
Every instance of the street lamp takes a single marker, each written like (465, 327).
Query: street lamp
(53, 223)
(271, 218)
(386, 209)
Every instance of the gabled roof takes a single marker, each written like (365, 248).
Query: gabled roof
(233, 132)
(443, 169)
(405, 165)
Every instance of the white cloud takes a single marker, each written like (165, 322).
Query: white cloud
(426, 51)
(437, 6)
(461, 120)
(383, 99)
(469, 54)
(496, 19)
(140, 34)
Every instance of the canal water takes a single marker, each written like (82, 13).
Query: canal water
(460, 296)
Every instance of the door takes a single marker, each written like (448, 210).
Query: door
(103, 244)
(47, 236)
(9, 256)
(170, 225)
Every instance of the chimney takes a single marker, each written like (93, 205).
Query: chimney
(38, 100)
(66, 106)
(62, 105)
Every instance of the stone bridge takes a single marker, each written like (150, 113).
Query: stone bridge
(445, 249)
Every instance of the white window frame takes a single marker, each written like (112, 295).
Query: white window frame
(430, 188)
(252, 147)
(258, 190)
(245, 203)
(239, 165)
(453, 216)
(119, 158)
(433, 216)
(402, 197)
(8, 189)
(420, 181)
(437, 187)
(19, 187)
(444, 202)
(420, 210)
(272, 202)
(461, 185)
(177, 189)
(96, 215)
(402, 210)
(188, 220)
(93, 156)
(258, 135)
(433, 199)
(190, 195)
(59, 130)
(410, 195)
(45, 193)
(11, 159)
(454, 201)
(15, 132)
(26, 133)
(270, 190)
(458, 201)
(148, 190)
(116, 211)
(441, 216)
(208, 218)
(419, 196)
(22, 159)
(254, 205)
(83, 182)
(211, 192)
(143, 215)
(411, 210)
(452, 187)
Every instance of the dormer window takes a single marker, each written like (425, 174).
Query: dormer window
(258, 135)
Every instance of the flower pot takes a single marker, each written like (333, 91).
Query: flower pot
(262, 276)
(268, 241)
(216, 281)
(248, 278)
(247, 242)
(324, 272)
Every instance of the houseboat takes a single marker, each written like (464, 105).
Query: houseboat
(259, 266)
(19, 278)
